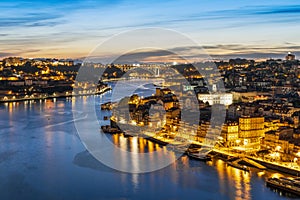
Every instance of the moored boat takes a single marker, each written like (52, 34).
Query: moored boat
(127, 135)
(238, 166)
(288, 185)
(106, 106)
(109, 129)
(198, 156)
(105, 117)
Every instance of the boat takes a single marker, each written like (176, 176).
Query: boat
(127, 135)
(111, 130)
(106, 106)
(182, 149)
(198, 156)
(288, 185)
(105, 117)
(238, 166)
(153, 139)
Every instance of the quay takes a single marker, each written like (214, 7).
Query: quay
(258, 163)
(277, 167)
(64, 95)
(226, 156)
(291, 186)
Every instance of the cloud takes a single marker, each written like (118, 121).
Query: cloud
(5, 54)
(38, 19)
(272, 10)
(257, 10)
(249, 55)
(44, 23)
(76, 25)
(238, 47)
(209, 52)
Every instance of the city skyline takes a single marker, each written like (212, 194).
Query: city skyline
(72, 29)
(123, 99)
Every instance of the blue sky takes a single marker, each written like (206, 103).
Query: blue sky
(225, 28)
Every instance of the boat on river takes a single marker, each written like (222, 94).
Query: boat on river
(106, 106)
(288, 185)
(238, 166)
(109, 129)
(106, 118)
(199, 156)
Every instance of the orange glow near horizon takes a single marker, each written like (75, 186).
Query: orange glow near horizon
(83, 52)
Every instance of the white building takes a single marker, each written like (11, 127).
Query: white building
(223, 98)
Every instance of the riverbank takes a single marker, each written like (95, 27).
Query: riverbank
(247, 160)
(269, 165)
(276, 167)
(65, 95)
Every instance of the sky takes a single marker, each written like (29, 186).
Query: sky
(224, 28)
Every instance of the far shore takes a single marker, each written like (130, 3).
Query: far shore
(54, 96)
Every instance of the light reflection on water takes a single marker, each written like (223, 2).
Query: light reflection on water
(41, 155)
(236, 183)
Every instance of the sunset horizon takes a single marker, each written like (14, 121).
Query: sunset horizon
(61, 29)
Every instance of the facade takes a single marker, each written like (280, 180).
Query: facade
(251, 130)
(280, 141)
(225, 98)
(290, 56)
(230, 133)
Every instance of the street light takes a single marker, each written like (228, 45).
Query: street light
(275, 155)
(277, 148)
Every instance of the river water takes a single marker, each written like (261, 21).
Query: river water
(42, 157)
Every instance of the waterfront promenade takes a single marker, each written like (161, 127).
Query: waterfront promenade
(284, 167)
(56, 95)
(224, 153)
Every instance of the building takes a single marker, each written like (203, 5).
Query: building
(250, 96)
(251, 130)
(224, 98)
(296, 121)
(290, 56)
(202, 131)
(281, 141)
(230, 134)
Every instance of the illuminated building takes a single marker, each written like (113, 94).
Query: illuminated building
(251, 130)
(272, 124)
(230, 133)
(13, 61)
(296, 121)
(290, 56)
(225, 98)
(280, 141)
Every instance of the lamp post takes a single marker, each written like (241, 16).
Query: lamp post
(295, 161)
(296, 158)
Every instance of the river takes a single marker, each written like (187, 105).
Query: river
(42, 157)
